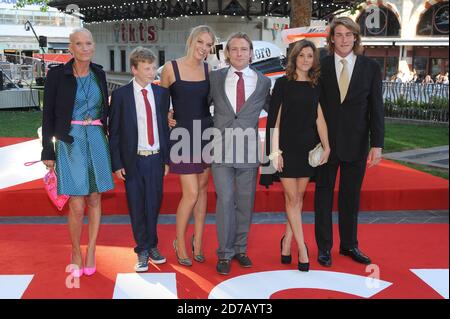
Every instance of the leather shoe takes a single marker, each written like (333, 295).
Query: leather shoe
(303, 266)
(243, 260)
(324, 258)
(285, 259)
(356, 255)
(223, 266)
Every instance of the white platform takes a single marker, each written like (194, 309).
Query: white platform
(12, 159)
(19, 98)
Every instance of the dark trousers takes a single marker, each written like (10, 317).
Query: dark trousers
(144, 195)
(351, 178)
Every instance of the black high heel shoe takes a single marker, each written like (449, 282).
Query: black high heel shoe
(303, 266)
(284, 259)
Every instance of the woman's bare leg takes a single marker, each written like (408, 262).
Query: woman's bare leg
(75, 220)
(200, 210)
(190, 189)
(95, 213)
(294, 190)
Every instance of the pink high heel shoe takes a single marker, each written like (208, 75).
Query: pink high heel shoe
(89, 271)
(77, 273)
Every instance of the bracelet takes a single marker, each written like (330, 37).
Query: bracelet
(275, 154)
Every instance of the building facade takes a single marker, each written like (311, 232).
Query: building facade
(398, 34)
(167, 37)
(16, 42)
(406, 34)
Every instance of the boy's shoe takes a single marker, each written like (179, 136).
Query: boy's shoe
(156, 257)
(142, 264)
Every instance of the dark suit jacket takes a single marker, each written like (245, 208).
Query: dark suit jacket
(360, 115)
(59, 99)
(123, 129)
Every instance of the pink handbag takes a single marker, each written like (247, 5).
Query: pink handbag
(50, 184)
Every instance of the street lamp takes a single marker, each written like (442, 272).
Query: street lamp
(42, 40)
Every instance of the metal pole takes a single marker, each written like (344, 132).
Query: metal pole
(29, 26)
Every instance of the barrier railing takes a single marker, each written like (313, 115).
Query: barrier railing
(416, 101)
(417, 92)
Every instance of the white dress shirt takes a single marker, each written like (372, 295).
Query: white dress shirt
(351, 59)
(141, 113)
(250, 79)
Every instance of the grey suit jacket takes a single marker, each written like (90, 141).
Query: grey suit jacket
(238, 144)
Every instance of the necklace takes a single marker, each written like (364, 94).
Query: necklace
(85, 92)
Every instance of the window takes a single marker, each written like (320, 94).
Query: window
(430, 61)
(42, 20)
(383, 22)
(111, 60)
(391, 66)
(438, 66)
(21, 19)
(387, 58)
(434, 21)
(123, 61)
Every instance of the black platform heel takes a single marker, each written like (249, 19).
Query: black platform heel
(284, 259)
(303, 266)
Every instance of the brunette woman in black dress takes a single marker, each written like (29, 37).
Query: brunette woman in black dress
(297, 129)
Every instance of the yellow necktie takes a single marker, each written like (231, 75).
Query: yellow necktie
(344, 80)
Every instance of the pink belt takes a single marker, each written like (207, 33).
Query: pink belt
(88, 122)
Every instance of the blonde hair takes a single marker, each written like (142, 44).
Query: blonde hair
(291, 69)
(80, 30)
(141, 54)
(195, 33)
(238, 35)
(349, 24)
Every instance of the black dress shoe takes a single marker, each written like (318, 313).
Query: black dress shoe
(243, 260)
(284, 259)
(223, 266)
(324, 258)
(356, 255)
(303, 266)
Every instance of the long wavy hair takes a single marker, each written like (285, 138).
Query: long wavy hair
(349, 24)
(291, 69)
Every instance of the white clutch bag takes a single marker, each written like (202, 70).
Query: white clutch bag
(314, 155)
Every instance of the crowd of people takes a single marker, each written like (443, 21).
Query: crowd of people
(336, 102)
(413, 77)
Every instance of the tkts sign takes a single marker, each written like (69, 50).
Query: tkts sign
(135, 32)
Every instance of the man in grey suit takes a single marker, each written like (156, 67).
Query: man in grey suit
(239, 94)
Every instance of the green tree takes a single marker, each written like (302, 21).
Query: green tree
(42, 3)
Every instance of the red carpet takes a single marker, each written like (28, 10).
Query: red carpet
(6, 141)
(43, 250)
(389, 186)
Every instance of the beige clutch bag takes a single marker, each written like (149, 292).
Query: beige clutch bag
(315, 154)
